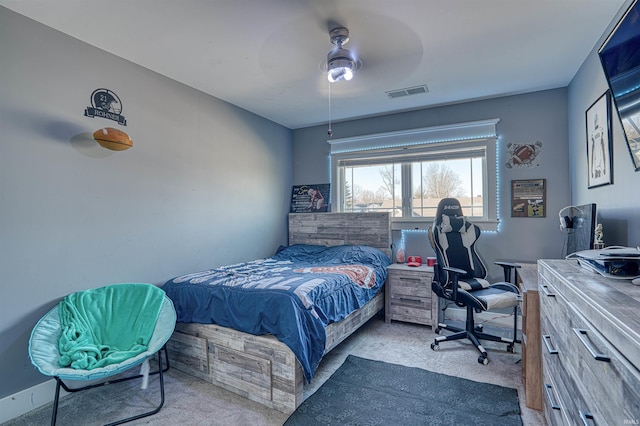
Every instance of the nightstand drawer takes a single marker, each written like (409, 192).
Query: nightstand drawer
(411, 309)
(411, 286)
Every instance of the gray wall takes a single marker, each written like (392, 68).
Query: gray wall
(618, 204)
(539, 116)
(205, 184)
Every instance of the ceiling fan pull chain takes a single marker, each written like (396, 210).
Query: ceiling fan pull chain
(330, 131)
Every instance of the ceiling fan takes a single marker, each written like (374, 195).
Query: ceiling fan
(341, 63)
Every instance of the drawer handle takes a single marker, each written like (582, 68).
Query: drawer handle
(546, 292)
(548, 389)
(405, 299)
(547, 342)
(587, 418)
(410, 279)
(581, 333)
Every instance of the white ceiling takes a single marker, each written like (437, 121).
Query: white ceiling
(266, 56)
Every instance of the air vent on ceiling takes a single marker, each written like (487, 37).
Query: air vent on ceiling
(393, 94)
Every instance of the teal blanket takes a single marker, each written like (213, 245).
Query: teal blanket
(107, 325)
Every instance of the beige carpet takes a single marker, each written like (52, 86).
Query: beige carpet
(190, 401)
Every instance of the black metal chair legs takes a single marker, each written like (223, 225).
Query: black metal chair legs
(161, 370)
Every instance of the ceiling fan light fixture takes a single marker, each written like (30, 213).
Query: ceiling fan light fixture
(340, 65)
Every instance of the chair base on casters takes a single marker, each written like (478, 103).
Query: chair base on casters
(471, 332)
(161, 370)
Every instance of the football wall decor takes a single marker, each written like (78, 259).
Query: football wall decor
(113, 139)
(523, 155)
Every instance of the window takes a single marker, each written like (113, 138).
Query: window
(407, 173)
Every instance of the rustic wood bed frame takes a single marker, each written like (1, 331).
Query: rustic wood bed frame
(262, 368)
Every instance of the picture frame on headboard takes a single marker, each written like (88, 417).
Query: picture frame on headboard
(599, 144)
(310, 198)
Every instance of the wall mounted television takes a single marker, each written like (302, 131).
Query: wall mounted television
(620, 59)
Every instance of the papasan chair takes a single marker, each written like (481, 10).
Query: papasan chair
(94, 335)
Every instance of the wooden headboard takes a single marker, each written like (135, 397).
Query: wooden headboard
(332, 229)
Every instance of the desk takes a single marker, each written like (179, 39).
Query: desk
(527, 280)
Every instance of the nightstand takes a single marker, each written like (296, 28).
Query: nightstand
(408, 295)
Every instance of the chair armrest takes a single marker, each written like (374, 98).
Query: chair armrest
(455, 272)
(507, 267)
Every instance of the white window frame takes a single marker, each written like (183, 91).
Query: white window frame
(477, 135)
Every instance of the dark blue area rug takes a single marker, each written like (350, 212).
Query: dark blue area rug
(367, 392)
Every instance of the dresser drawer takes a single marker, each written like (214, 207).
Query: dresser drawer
(564, 398)
(554, 408)
(605, 375)
(555, 318)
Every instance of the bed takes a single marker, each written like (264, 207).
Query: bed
(262, 367)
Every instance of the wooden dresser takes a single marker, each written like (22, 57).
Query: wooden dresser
(590, 329)
(408, 295)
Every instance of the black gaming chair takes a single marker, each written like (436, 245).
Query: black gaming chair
(459, 276)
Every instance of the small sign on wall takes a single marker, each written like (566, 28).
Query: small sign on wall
(106, 104)
(528, 198)
(310, 198)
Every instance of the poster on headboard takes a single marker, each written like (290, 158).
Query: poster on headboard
(310, 198)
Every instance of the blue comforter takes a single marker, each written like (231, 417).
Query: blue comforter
(293, 295)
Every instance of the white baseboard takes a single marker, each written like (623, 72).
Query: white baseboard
(29, 399)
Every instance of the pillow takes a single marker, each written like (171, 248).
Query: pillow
(453, 224)
(334, 255)
(299, 252)
(354, 254)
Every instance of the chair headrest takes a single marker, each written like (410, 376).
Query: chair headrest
(449, 216)
(448, 207)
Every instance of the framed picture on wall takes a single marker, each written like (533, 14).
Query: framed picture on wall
(528, 198)
(599, 145)
(310, 198)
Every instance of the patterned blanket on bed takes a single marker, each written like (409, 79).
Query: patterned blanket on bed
(292, 295)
